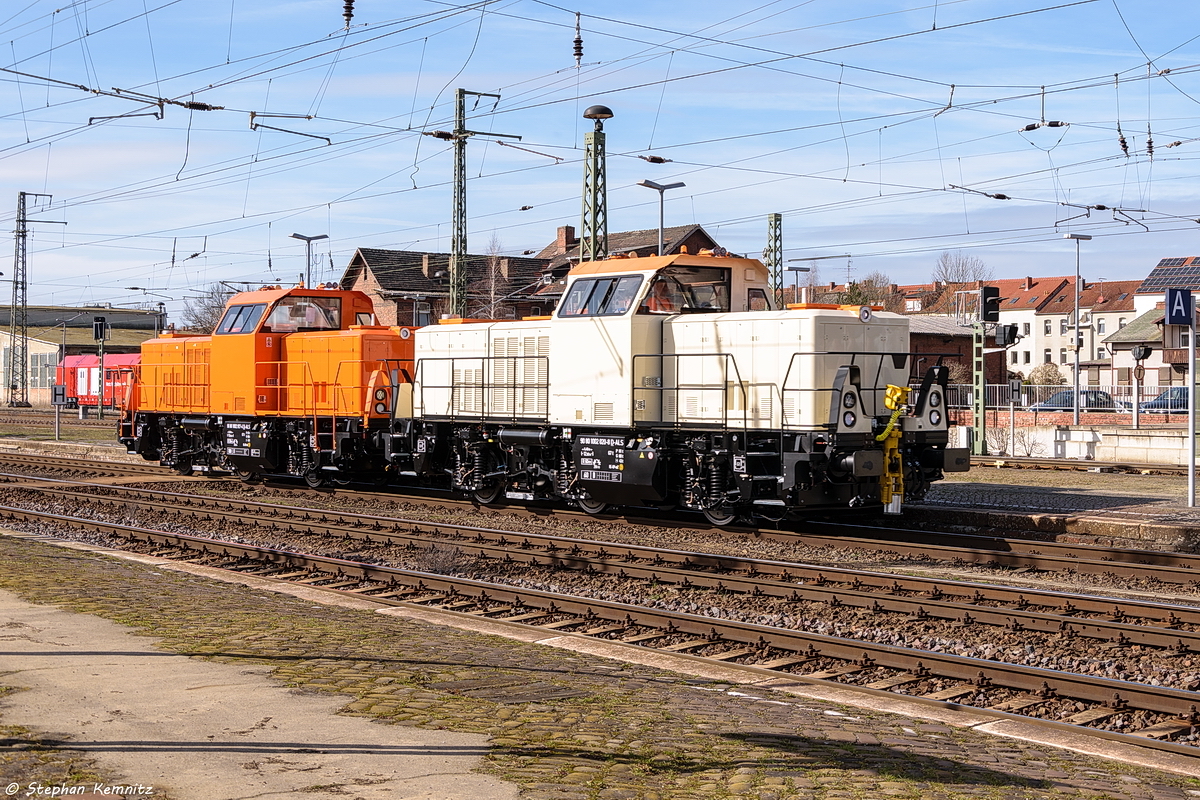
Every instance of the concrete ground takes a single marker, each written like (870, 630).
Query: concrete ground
(178, 726)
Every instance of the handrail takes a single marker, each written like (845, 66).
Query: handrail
(662, 389)
(485, 387)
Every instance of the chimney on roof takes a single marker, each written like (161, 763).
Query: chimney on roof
(1028, 285)
(425, 264)
(504, 268)
(566, 238)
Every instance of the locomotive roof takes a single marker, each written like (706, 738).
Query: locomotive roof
(654, 263)
(269, 294)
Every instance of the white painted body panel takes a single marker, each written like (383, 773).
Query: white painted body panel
(777, 367)
(764, 370)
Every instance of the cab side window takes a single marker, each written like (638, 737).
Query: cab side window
(756, 300)
(240, 319)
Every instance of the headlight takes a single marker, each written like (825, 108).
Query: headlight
(849, 400)
(848, 419)
(381, 394)
(935, 417)
(935, 399)
(381, 408)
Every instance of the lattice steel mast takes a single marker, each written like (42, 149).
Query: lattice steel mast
(458, 223)
(18, 327)
(593, 229)
(773, 254)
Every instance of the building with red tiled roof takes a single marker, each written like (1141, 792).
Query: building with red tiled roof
(1104, 308)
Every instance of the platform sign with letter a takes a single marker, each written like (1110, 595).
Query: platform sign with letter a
(1178, 311)
(1178, 307)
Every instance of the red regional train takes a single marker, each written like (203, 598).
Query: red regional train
(81, 377)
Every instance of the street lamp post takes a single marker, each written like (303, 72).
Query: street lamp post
(662, 190)
(308, 240)
(1078, 237)
(798, 270)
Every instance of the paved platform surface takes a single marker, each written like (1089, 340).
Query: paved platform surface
(1152, 508)
(560, 724)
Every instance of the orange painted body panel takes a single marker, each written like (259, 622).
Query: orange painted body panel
(278, 368)
(174, 375)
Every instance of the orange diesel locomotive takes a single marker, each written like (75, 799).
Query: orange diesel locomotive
(289, 381)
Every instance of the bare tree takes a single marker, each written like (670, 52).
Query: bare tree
(874, 289)
(958, 267)
(201, 314)
(960, 372)
(1046, 375)
(492, 286)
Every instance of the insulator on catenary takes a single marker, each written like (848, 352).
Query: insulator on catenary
(578, 42)
(348, 11)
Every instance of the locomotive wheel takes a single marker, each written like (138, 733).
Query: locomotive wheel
(488, 495)
(720, 516)
(314, 478)
(184, 468)
(593, 507)
(246, 475)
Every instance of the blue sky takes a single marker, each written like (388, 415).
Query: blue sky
(853, 120)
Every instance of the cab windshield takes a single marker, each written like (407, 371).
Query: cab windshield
(292, 314)
(688, 290)
(600, 297)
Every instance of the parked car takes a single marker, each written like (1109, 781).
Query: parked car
(1172, 401)
(1089, 400)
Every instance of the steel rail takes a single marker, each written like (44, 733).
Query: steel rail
(1170, 567)
(95, 466)
(798, 582)
(1032, 462)
(45, 421)
(977, 672)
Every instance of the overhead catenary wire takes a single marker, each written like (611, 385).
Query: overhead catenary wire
(877, 184)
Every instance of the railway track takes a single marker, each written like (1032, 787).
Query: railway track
(74, 466)
(67, 420)
(1166, 566)
(999, 688)
(1172, 627)
(1017, 553)
(1163, 565)
(1007, 687)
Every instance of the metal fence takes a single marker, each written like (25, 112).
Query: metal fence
(998, 396)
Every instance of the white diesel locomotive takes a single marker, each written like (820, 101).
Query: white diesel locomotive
(672, 382)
